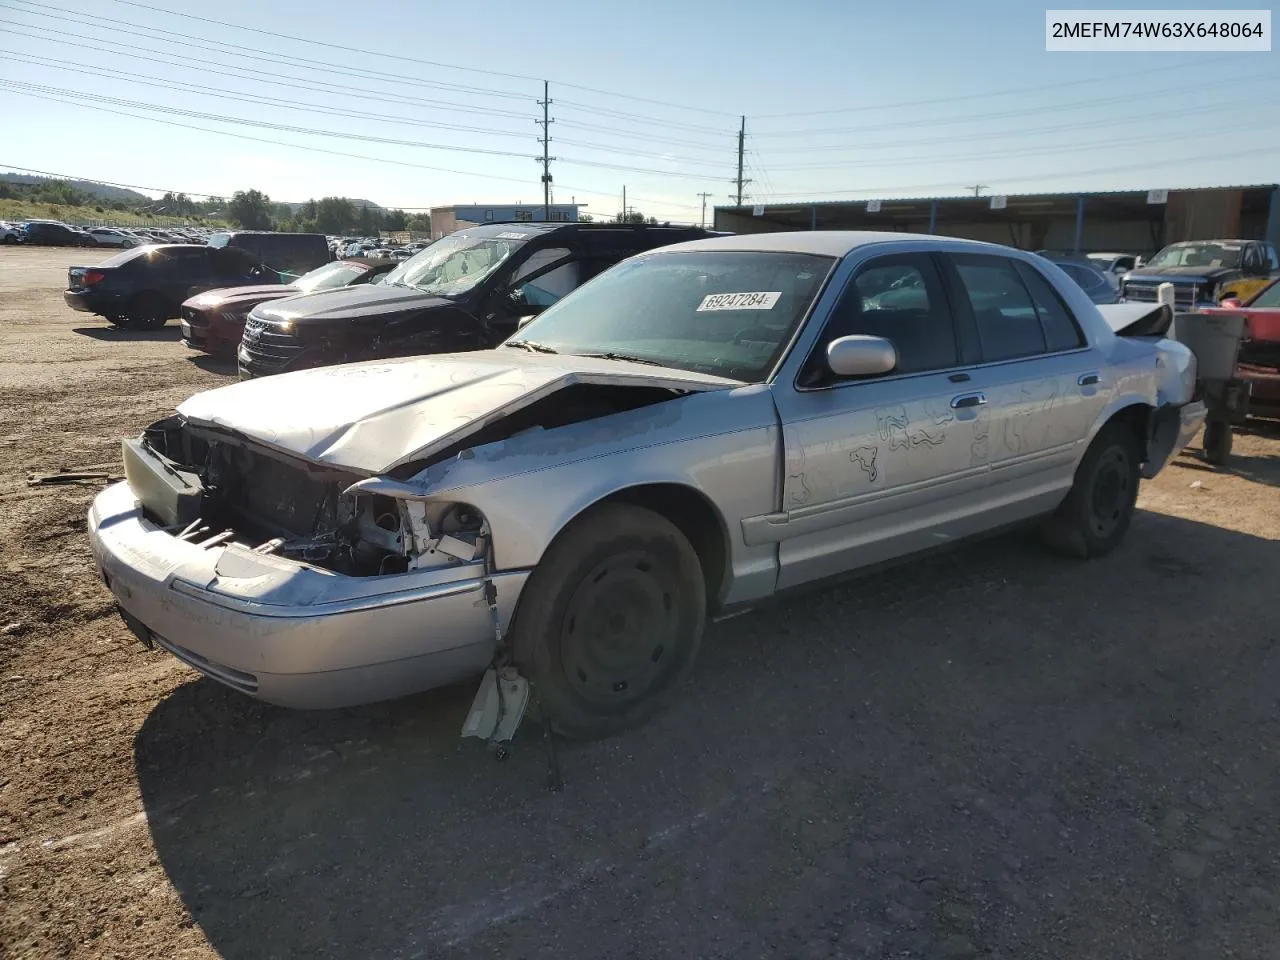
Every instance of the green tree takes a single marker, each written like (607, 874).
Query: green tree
(335, 215)
(250, 209)
(367, 221)
(420, 223)
(396, 220)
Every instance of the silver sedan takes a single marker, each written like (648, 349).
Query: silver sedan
(692, 432)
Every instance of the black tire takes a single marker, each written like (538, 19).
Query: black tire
(610, 622)
(1096, 513)
(148, 311)
(1217, 441)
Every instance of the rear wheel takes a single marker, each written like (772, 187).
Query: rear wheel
(1094, 517)
(611, 620)
(148, 311)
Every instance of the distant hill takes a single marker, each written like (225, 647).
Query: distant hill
(101, 190)
(295, 207)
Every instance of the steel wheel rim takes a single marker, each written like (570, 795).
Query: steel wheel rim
(618, 637)
(1111, 492)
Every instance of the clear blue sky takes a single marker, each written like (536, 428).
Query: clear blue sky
(667, 82)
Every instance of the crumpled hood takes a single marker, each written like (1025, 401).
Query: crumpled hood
(239, 298)
(350, 303)
(373, 416)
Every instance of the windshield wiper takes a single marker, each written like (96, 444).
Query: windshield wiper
(625, 357)
(532, 345)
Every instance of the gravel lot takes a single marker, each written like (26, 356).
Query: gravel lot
(994, 753)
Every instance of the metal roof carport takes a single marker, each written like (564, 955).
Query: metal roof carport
(1121, 221)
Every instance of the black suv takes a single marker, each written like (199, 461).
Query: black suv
(468, 291)
(143, 287)
(46, 233)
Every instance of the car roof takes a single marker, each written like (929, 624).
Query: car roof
(825, 243)
(542, 227)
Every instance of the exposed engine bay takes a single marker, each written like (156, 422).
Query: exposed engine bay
(213, 487)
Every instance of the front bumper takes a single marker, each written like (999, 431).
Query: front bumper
(289, 633)
(213, 333)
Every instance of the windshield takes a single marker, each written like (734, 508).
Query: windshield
(726, 313)
(454, 265)
(1269, 297)
(331, 275)
(1197, 255)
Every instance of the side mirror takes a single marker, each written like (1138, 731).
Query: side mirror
(1231, 303)
(861, 356)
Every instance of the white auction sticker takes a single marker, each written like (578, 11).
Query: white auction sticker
(739, 301)
(511, 236)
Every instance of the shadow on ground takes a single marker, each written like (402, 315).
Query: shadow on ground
(213, 364)
(991, 753)
(171, 332)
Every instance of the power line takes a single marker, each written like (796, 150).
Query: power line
(1020, 132)
(18, 86)
(1148, 165)
(1074, 147)
(1033, 111)
(272, 56)
(381, 54)
(260, 124)
(318, 86)
(197, 193)
(221, 93)
(983, 96)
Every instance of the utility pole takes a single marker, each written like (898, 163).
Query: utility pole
(704, 209)
(624, 203)
(977, 188)
(545, 123)
(742, 143)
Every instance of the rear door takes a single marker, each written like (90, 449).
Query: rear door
(182, 272)
(1043, 384)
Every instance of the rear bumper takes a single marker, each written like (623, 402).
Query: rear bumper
(1174, 428)
(290, 634)
(92, 301)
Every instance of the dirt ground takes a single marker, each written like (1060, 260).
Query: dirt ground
(993, 753)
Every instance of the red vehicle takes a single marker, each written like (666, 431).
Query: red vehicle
(1259, 361)
(214, 321)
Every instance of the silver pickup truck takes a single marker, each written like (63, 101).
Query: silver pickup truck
(696, 430)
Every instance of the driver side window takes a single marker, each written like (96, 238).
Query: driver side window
(901, 299)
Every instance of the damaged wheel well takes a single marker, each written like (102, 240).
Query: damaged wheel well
(696, 518)
(1137, 418)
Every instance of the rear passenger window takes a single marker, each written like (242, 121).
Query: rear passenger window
(899, 298)
(1060, 328)
(1006, 317)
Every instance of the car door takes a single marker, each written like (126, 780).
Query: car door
(182, 272)
(874, 466)
(1044, 385)
(530, 286)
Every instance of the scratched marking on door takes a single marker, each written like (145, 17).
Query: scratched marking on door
(865, 457)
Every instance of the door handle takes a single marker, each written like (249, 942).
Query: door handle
(968, 400)
(1088, 379)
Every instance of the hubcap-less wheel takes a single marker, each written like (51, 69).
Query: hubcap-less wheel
(618, 626)
(1112, 492)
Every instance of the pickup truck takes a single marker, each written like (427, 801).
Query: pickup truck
(1204, 272)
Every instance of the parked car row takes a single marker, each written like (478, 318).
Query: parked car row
(591, 438)
(143, 287)
(55, 233)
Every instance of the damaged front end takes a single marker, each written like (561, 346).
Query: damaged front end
(212, 487)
